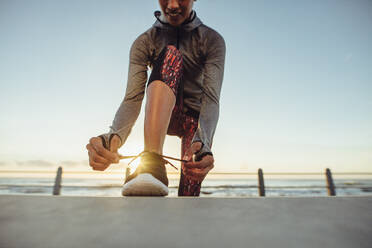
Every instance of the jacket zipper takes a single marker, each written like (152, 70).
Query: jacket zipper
(178, 37)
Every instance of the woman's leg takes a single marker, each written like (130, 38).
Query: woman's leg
(161, 97)
(188, 187)
(159, 106)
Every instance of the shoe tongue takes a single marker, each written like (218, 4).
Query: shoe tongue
(151, 157)
(151, 163)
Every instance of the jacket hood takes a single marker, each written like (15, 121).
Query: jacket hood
(190, 24)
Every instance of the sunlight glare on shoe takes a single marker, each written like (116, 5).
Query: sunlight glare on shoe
(133, 166)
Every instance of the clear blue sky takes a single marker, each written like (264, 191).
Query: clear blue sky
(296, 96)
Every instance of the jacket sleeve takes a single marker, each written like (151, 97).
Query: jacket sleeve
(212, 83)
(130, 107)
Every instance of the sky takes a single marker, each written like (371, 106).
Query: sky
(296, 95)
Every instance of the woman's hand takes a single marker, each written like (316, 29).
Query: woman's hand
(99, 157)
(197, 170)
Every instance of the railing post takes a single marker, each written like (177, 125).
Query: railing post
(261, 183)
(127, 173)
(330, 184)
(57, 182)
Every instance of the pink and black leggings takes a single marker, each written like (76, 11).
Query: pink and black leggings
(168, 68)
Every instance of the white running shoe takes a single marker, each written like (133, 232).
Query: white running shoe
(149, 179)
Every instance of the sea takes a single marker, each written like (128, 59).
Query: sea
(220, 187)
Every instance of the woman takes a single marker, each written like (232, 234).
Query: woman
(183, 91)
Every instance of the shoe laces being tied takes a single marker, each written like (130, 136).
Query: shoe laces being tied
(160, 157)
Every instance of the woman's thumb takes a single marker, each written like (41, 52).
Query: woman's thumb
(195, 147)
(114, 146)
(114, 143)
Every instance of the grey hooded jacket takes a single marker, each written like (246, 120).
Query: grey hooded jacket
(203, 52)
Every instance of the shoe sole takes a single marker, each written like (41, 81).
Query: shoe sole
(144, 185)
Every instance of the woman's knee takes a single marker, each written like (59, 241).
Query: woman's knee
(158, 87)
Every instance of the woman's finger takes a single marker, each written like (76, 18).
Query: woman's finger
(95, 157)
(97, 166)
(197, 165)
(198, 174)
(205, 162)
(98, 159)
(196, 146)
(103, 152)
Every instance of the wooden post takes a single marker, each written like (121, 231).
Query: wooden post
(261, 183)
(57, 183)
(127, 173)
(330, 184)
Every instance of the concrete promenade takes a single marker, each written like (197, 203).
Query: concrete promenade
(104, 222)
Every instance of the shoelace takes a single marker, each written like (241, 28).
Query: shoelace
(163, 156)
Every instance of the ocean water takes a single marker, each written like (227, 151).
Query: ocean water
(239, 187)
